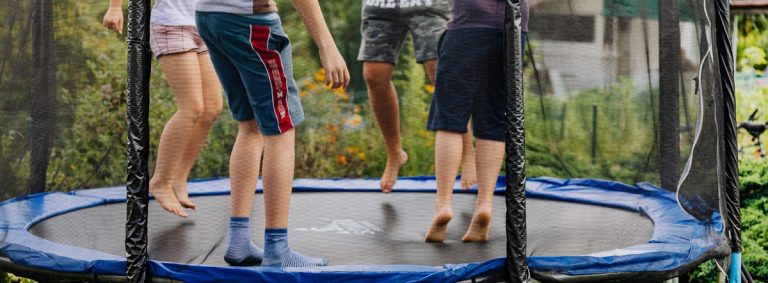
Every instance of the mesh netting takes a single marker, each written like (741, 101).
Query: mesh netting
(617, 90)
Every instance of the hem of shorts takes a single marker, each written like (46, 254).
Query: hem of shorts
(489, 137)
(157, 56)
(426, 58)
(434, 128)
(376, 59)
(241, 118)
(296, 121)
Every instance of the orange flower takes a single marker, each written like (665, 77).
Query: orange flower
(320, 75)
(302, 93)
(350, 149)
(341, 159)
(429, 88)
(354, 121)
(341, 94)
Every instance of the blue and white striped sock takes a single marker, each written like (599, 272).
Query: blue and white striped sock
(278, 254)
(240, 249)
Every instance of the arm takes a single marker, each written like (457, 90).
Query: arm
(336, 71)
(113, 19)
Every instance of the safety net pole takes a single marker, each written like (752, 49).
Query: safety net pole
(731, 162)
(139, 60)
(516, 269)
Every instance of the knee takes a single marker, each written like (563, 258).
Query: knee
(210, 114)
(193, 113)
(249, 128)
(376, 78)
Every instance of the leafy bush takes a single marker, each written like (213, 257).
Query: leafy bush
(753, 176)
(10, 278)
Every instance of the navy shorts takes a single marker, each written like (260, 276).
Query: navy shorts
(252, 58)
(470, 84)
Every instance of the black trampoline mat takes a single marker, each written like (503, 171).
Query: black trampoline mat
(356, 229)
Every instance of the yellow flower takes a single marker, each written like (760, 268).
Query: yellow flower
(341, 159)
(358, 109)
(320, 75)
(341, 94)
(429, 88)
(353, 121)
(302, 93)
(361, 155)
(312, 86)
(350, 149)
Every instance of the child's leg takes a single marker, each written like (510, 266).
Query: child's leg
(468, 174)
(244, 167)
(468, 169)
(383, 97)
(490, 154)
(279, 159)
(244, 174)
(183, 74)
(212, 102)
(447, 158)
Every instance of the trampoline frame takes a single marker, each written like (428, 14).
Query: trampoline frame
(666, 254)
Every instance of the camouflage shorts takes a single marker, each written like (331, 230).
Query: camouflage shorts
(386, 24)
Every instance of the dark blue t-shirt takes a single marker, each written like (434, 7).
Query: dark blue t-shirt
(483, 14)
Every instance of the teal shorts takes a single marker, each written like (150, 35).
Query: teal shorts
(252, 58)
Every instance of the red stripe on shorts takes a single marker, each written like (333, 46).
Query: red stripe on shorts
(274, 66)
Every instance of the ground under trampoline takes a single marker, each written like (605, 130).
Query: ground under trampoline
(577, 229)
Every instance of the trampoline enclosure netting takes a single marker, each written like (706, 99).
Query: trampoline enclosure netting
(625, 148)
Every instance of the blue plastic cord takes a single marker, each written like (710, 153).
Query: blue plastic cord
(735, 272)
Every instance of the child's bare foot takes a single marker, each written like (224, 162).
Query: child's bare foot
(167, 199)
(180, 190)
(392, 171)
(468, 175)
(479, 228)
(436, 232)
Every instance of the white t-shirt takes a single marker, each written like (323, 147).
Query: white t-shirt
(174, 12)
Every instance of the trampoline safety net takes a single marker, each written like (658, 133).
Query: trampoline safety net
(624, 144)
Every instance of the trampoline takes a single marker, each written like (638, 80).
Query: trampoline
(646, 165)
(628, 232)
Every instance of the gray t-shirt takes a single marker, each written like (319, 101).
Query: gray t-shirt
(483, 14)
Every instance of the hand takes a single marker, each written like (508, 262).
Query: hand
(113, 19)
(336, 72)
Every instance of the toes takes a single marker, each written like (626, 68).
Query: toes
(188, 204)
(386, 187)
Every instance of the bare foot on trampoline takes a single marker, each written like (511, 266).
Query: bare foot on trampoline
(180, 190)
(479, 228)
(167, 200)
(436, 232)
(392, 171)
(468, 175)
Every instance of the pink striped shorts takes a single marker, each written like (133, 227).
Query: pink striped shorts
(164, 40)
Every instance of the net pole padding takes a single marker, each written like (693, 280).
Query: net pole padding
(669, 94)
(139, 65)
(730, 160)
(515, 267)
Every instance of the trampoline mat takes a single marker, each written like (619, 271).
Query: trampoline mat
(356, 228)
